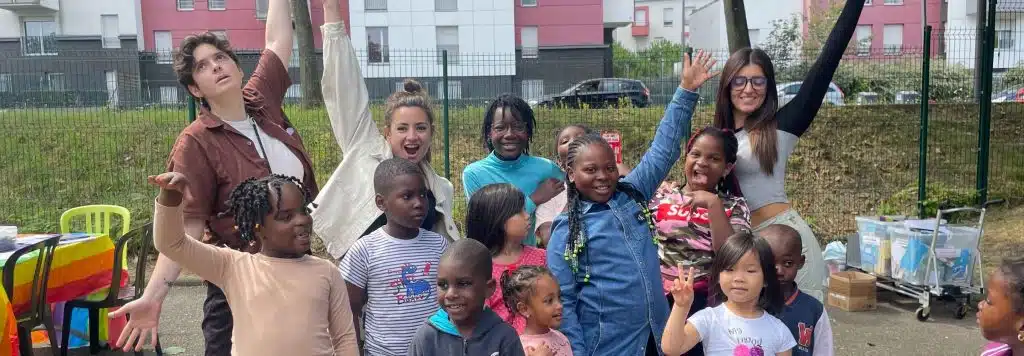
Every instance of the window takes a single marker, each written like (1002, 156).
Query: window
(294, 91)
(528, 3)
(893, 2)
(446, 5)
(186, 5)
(533, 88)
(454, 89)
(377, 44)
(110, 30)
(1004, 39)
(892, 38)
(40, 38)
(162, 41)
(215, 4)
(640, 17)
(863, 40)
(376, 5)
(261, 9)
(669, 17)
(169, 95)
(53, 81)
(528, 41)
(448, 39)
(867, 2)
(5, 82)
(293, 62)
(222, 34)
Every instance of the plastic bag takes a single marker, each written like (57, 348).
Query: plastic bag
(835, 256)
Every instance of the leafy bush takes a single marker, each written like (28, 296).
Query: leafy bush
(1014, 78)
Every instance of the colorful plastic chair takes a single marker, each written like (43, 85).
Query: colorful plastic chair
(38, 312)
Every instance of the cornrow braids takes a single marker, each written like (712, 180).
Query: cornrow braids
(249, 202)
(575, 247)
(517, 285)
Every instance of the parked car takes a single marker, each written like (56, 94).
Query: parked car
(787, 91)
(601, 92)
(1009, 95)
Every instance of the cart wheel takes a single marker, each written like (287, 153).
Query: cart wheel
(961, 311)
(923, 313)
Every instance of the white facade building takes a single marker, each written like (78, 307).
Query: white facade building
(663, 19)
(400, 38)
(961, 36)
(708, 26)
(40, 21)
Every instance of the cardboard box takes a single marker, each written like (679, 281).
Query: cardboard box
(852, 291)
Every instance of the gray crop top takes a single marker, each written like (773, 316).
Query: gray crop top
(760, 189)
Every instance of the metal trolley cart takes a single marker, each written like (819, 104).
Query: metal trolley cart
(940, 261)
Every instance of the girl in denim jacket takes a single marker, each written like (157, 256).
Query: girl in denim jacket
(602, 250)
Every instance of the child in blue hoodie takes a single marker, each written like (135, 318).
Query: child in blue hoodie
(463, 326)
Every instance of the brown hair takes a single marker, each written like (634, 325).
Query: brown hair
(184, 60)
(413, 95)
(761, 123)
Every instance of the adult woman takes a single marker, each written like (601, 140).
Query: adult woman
(240, 132)
(346, 210)
(747, 102)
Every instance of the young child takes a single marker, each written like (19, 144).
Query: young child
(497, 219)
(805, 316)
(1001, 314)
(599, 248)
(464, 326)
(507, 131)
(391, 271)
(301, 300)
(744, 324)
(531, 291)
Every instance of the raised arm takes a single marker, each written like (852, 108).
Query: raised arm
(208, 262)
(664, 150)
(278, 35)
(345, 95)
(566, 284)
(796, 116)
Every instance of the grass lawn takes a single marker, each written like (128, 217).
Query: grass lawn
(854, 159)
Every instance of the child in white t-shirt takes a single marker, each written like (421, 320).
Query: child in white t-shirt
(744, 323)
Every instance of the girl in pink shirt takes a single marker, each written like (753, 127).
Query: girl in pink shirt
(532, 292)
(1001, 314)
(497, 218)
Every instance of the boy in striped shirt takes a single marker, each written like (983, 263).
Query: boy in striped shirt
(390, 273)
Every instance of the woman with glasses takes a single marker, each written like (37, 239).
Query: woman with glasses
(507, 131)
(747, 102)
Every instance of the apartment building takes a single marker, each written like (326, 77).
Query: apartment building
(890, 28)
(962, 17)
(708, 25)
(657, 20)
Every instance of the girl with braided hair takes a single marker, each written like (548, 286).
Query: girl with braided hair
(531, 292)
(602, 250)
(272, 210)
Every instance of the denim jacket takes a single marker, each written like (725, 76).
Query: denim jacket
(622, 304)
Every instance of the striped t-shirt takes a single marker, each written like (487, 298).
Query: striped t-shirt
(400, 285)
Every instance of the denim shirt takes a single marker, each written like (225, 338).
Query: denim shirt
(622, 304)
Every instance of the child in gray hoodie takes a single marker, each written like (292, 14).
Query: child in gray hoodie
(463, 326)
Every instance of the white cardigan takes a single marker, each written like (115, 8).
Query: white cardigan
(345, 205)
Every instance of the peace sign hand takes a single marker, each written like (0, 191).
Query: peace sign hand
(695, 73)
(682, 288)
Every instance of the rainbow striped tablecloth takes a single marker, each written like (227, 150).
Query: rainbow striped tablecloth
(9, 326)
(82, 264)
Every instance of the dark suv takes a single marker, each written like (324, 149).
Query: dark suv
(600, 92)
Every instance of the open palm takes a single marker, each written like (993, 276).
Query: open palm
(697, 71)
(143, 323)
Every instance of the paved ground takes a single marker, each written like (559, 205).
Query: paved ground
(890, 330)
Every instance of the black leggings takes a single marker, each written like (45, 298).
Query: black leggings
(217, 322)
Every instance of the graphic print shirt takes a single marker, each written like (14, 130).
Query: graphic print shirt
(399, 277)
(726, 334)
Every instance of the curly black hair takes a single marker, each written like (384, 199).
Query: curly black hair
(249, 202)
(515, 106)
(517, 285)
(387, 171)
(1012, 271)
(730, 145)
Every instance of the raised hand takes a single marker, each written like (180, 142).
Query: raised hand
(701, 199)
(542, 350)
(695, 73)
(145, 320)
(682, 288)
(546, 190)
(172, 187)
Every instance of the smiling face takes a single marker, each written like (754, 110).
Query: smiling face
(409, 133)
(404, 203)
(214, 73)
(594, 172)
(543, 307)
(461, 291)
(508, 134)
(564, 138)
(748, 88)
(742, 282)
(285, 231)
(705, 163)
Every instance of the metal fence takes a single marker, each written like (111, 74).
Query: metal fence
(87, 128)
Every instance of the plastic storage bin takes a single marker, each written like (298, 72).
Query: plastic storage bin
(874, 244)
(910, 256)
(958, 255)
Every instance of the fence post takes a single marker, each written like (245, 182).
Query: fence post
(922, 172)
(444, 96)
(985, 111)
(191, 109)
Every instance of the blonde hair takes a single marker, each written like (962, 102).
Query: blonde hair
(413, 95)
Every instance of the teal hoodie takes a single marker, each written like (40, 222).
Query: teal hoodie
(491, 337)
(525, 173)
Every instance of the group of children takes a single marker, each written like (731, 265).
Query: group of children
(633, 266)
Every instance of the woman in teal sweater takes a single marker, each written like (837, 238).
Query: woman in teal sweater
(507, 131)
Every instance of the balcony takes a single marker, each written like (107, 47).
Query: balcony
(617, 13)
(31, 7)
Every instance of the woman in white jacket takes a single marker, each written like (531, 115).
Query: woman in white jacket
(345, 209)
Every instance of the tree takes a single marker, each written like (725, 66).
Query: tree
(651, 62)
(309, 70)
(783, 43)
(820, 21)
(736, 24)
